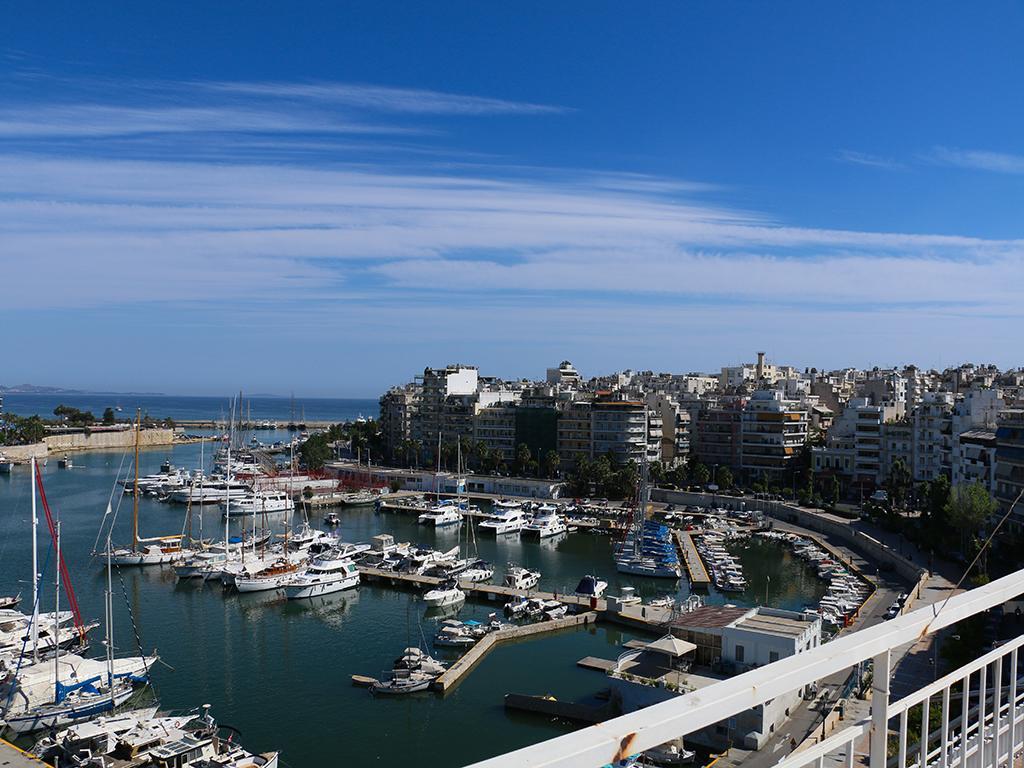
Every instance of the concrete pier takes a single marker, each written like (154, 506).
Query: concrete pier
(12, 757)
(454, 674)
(691, 558)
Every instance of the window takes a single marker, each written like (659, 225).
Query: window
(773, 656)
(739, 653)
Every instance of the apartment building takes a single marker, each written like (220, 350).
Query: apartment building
(773, 430)
(933, 436)
(717, 434)
(573, 434)
(974, 458)
(619, 429)
(1009, 474)
(398, 408)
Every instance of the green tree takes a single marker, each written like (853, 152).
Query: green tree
(700, 474)
(725, 478)
(108, 417)
(551, 463)
(968, 508)
(315, 452)
(523, 458)
(899, 483)
(834, 490)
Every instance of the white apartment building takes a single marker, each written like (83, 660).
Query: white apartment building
(773, 430)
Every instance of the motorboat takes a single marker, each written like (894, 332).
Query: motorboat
(519, 577)
(456, 634)
(444, 514)
(544, 523)
(505, 517)
(591, 587)
(445, 593)
(478, 570)
(670, 753)
(331, 572)
(259, 503)
(412, 671)
(274, 576)
(84, 702)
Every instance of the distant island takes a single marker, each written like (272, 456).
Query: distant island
(36, 389)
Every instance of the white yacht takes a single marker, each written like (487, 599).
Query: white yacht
(521, 578)
(213, 491)
(331, 572)
(258, 503)
(591, 587)
(505, 517)
(545, 522)
(443, 514)
(161, 552)
(274, 576)
(445, 593)
(477, 571)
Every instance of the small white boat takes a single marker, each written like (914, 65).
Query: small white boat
(259, 503)
(478, 571)
(442, 515)
(518, 577)
(445, 593)
(505, 517)
(165, 551)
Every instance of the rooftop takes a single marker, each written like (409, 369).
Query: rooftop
(774, 625)
(711, 616)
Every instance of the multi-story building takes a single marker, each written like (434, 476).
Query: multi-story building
(773, 430)
(573, 433)
(974, 458)
(398, 408)
(1009, 475)
(933, 436)
(564, 376)
(897, 445)
(674, 423)
(717, 435)
(495, 427)
(437, 386)
(619, 428)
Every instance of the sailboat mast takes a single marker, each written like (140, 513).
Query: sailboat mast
(56, 619)
(110, 625)
(135, 485)
(35, 569)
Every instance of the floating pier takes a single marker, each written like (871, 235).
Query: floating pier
(691, 558)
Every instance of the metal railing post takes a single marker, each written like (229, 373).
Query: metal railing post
(880, 710)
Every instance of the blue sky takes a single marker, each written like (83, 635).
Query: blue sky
(327, 197)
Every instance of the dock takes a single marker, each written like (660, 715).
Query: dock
(596, 664)
(388, 505)
(695, 568)
(479, 590)
(12, 757)
(596, 711)
(454, 674)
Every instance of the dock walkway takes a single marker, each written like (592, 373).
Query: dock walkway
(694, 564)
(491, 592)
(12, 757)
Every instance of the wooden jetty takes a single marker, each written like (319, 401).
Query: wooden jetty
(691, 558)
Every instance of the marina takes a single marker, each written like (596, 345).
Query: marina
(360, 624)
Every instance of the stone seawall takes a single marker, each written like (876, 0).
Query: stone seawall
(24, 452)
(79, 441)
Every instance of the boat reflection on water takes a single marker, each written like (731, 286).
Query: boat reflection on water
(443, 611)
(331, 609)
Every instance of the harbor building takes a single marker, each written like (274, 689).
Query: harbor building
(713, 643)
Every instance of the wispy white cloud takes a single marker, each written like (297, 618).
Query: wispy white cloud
(872, 161)
(978, 159)
(172, 231)
(382, 99)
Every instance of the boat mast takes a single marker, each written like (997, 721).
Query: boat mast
(110, 622)
(35, 570)
(135, 485)
(227, 485)
(56, 624)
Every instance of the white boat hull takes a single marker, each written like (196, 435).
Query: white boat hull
(301, 591)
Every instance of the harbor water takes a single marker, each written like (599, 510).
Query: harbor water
(280, 671)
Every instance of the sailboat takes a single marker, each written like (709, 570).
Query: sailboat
(156, 550)
(648, 549)
(84, 699)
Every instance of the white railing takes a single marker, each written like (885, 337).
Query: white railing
(993, 731)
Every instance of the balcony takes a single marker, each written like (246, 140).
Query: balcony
(989, 690)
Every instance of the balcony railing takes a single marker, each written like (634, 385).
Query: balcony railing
(986, 690)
